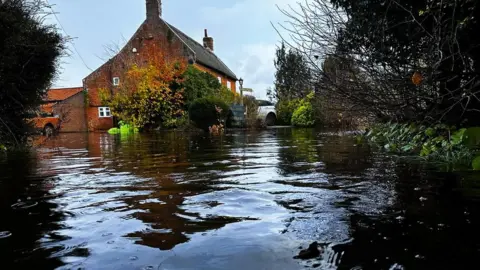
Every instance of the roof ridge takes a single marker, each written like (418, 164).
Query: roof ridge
(175, 29)
(64, 88)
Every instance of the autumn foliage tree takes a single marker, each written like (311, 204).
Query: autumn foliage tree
(150, 94)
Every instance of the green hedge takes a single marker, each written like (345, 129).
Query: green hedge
(285, 109)
(204, 114)
(303, 116)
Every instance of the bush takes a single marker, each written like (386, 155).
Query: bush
(226, 95)
(251, 109)
(285, 109)
(440, 143)
(198, 84)
(178, 122)
(303, 116)
(206, 112)
(29, 54)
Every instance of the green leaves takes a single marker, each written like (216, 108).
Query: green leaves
(303, 116)
(458, 136)
(472, 137)
(206, 112)
(476, 163)
(430, 132)
(438, 142)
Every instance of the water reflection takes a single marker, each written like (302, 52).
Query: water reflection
(245, 200)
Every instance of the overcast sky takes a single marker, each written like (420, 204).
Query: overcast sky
(244, 38)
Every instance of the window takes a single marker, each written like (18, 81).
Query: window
(229, 85)
(219, 79)
(104, 112)
(116, 81)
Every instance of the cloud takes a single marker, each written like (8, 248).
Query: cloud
(256, 67)
(247, 10)
(253, 44)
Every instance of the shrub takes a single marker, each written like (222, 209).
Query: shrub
(251, 109)
(198, 84)
(149, 96)
(29, 54)
(285, 109)
(206, 112)
(440, 143)
(178, 122)
(226, 95)
(303, 116)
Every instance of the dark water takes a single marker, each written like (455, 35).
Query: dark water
(242, 201)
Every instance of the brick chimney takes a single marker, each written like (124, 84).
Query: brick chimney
(154, 9)
(208, 41)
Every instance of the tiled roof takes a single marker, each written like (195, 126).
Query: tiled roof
(203, 55)
(62, 93)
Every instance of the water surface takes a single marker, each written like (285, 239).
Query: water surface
(241, 201)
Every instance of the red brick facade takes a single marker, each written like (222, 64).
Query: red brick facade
(153, 32)
(74, 110)
(225, 80)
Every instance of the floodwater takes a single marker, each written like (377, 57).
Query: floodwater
(240, 201)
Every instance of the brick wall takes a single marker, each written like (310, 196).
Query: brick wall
(72, 110)
(151, 33)
(216, 75)
(96, 123)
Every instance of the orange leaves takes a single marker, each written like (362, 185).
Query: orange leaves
(417, 78)
(149, 94)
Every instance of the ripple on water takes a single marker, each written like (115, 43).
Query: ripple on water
(24, 205)
(5, 234)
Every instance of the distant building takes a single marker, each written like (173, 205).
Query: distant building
(170, 41)
(68, 103)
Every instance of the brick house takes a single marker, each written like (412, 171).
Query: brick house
(168, 40)
(69, 104)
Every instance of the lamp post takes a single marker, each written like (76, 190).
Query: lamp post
(241, 90)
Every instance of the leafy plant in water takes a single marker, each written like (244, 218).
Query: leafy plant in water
(437, 143)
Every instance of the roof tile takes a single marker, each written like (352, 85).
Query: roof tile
(62, 93)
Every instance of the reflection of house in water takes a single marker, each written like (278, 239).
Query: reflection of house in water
(159, 192)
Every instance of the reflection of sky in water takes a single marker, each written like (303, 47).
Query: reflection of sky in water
(174, 200)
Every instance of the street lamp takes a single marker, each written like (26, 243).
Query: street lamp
(241, 90)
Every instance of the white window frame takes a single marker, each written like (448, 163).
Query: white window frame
(219, 79)
(105, 111)
(116, 81)
(229, 85)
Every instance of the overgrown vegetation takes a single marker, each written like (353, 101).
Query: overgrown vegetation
(29, 54)
(198, 84)
(159, 94)
(207, 112)
(150, 95)
(441, 143)
(304, 116)
(393, 60)
(251, 112)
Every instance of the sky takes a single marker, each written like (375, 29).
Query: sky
(243, 34)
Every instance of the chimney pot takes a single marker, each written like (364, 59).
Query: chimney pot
(208, 41)
(154, 9)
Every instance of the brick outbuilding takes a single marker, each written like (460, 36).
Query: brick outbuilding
(69, 105)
